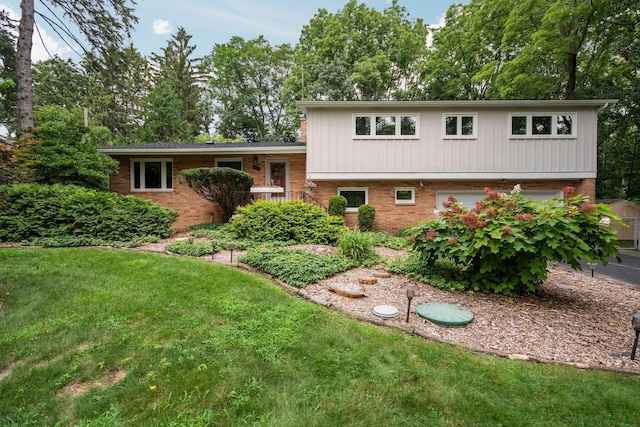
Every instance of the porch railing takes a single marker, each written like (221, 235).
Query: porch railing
(248, 197)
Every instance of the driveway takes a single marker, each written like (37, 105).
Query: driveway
(627, 271)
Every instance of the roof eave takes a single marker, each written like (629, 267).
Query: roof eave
(115, 150)
(595, 103)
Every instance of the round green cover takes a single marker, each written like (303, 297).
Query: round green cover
(444, 314)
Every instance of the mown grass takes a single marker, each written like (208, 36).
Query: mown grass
(114, 337)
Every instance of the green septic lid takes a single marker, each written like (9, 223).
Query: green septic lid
(444, 314)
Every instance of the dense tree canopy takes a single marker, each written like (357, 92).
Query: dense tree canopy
(184, 75)
(104, 24)
(360, 53)
(248, 85)
(67, 153)
(487, 49)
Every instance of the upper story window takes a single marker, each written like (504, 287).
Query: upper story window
(387, 126)
(542, 125)
(460, 126)
(152, 175)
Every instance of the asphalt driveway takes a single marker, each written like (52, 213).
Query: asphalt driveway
(627, 271)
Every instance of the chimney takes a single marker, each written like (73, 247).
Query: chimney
(303, 129)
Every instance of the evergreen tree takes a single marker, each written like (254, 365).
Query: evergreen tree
(183, 73)
(163, 120)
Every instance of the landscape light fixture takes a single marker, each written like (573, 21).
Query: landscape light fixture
(214, 243)
(635, 322)
(232, 246)
(256, 164)
(411, 292)
(592, 266)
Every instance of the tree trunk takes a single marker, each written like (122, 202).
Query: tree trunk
(23, 68)
(572, 67)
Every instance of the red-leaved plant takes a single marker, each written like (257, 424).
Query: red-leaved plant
(506, 242)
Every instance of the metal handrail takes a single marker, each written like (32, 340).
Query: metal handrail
(283, 196)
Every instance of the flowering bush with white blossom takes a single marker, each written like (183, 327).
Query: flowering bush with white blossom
(507, 240)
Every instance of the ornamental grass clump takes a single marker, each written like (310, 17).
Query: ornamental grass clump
(506, 241)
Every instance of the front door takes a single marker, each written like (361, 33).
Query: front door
(277, 176)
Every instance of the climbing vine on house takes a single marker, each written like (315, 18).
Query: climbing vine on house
(505, 243)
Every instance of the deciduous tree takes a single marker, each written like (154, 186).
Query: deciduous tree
(106, 23)
(247, 85)
(67, 150)
(360, 53)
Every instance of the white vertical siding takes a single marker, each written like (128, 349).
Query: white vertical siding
(331, 148)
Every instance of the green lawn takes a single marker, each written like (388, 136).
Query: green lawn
(120, 338)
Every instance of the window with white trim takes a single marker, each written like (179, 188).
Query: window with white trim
(229, 163)
(387, 126)
(151, 175)
(459, 126)
(405, 196)
(355, 196)
(542, 125)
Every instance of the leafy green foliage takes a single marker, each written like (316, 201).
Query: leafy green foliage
(67, 153)
(225, 186)
(163, 120)
(29, 212)
(296, 267)
(366, 216)
(358, 247)
(337, 206)
(293, 220)
(442, 273)
(387, 241)
(506, 241)
(117, 84)
(360, 53)
(16, 161)
(248, 84)
(195, 249)
(177, 68)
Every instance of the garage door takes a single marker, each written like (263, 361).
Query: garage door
(469, 198)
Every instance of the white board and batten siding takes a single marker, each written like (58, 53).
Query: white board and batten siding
(334, 153)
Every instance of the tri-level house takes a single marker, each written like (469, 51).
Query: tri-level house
(402, 157)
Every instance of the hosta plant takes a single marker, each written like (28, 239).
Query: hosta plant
(506, 241)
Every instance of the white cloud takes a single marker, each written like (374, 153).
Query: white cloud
(161, 27)
(42, 42)
(441, 23)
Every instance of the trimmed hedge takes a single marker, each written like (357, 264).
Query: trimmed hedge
(293, 221)
(29, 212)
(366, 216)
(338, 206)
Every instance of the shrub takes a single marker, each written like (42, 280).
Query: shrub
(506, 241)
(226, 187)
(366, 216)
(443, 274)
(195, 249)
(34, 211)
(296, 267)
(357, 246)
(293, 221)
(387, 241)
(338, 206)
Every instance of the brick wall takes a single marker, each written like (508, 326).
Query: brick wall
(391, 217)
(192, 208)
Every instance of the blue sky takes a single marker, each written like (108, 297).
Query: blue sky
(216, 21)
